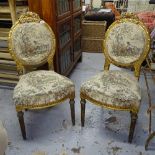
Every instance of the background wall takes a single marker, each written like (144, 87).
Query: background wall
(96, 3)
(140, 5)
(134, 5)
(87, 1)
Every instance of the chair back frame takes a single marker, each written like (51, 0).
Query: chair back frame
(136, 64)
(30, 17)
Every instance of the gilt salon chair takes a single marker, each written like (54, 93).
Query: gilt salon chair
(126, 44)
(32, 43)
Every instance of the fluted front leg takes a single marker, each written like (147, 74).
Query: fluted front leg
(83, 106)
(20, 115)
(132, 126)
(72, 107)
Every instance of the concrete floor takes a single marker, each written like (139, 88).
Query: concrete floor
(50, 132)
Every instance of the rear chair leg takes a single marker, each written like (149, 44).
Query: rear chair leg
(72, 107)
(83, 106)
(132, 126)
(151, 136)
(20, 115)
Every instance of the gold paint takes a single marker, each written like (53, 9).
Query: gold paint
(43, 106)
(27, 18)
(136, 64)
(108, 106)
(128, 17)
(39, 153)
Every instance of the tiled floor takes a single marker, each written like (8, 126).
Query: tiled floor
(50, 131)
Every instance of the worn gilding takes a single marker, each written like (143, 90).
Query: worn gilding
(130, 58)
(31, 44)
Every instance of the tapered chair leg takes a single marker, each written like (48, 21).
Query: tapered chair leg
(83, 106)
(151, 136)
(132, 126)
(72, 107)
(20, 115)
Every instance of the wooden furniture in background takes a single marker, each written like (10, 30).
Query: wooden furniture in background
(64, 16)
(93, 35)
(9, 12)
(12, 6)
(150, 108)
(152, 2)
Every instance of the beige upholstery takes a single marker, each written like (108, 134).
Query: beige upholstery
(32, 43)
(115, 88)
(42, 87)
(3, 139)
(128, 45)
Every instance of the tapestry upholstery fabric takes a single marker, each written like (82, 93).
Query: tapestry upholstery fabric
(115, 88)
(32, 43)
(42, 87)
(128, 46)
(3, 139)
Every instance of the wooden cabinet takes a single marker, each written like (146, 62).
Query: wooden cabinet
(9, 11)
(64, 17)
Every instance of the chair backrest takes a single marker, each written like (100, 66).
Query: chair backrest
(127, 43)
(31, 42)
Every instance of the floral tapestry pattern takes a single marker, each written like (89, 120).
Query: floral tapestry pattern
(32, 43)
(126, 42)
(42, 87)
(116, 88)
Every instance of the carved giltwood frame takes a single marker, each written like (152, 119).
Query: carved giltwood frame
(30, 17)
(26, 18)
(129, 17)
(136, 64)
(33, 17)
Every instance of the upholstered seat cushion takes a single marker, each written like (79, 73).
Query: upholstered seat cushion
(42, 87)
(113, 88)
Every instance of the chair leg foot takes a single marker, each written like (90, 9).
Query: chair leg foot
(132, 126)
(72, 107)
(20, 115)
(83, 106)
(80, 59)
(151, 136)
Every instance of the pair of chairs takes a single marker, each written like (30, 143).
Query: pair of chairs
(32, 43)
